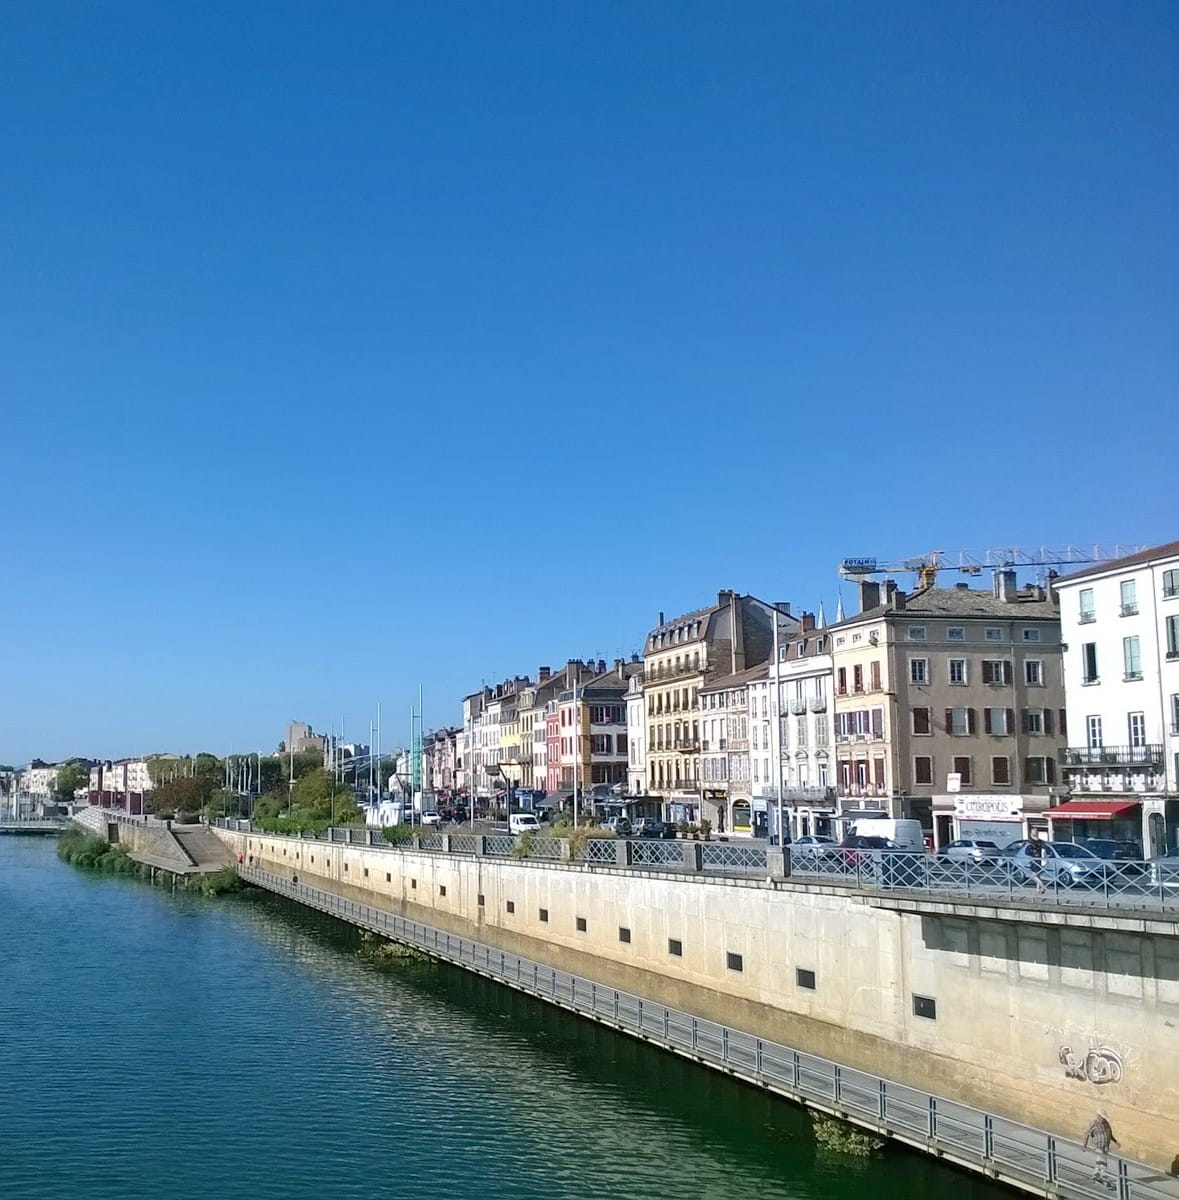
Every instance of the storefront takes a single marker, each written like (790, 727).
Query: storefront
(986, 817)
(1113, 820)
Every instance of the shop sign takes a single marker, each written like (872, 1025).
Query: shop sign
(988, 808)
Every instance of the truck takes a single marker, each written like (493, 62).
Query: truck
(907, 833)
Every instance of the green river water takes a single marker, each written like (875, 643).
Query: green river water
(166, 1045)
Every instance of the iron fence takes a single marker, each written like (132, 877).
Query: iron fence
(1026, 1157)
(1067, 882)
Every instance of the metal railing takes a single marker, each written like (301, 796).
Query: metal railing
(1108, 756)
(1018, 1154)
(1081, 882)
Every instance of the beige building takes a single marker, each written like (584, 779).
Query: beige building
(682, 656)
(949, 707)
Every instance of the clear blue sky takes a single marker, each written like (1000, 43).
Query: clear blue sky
(347, 347)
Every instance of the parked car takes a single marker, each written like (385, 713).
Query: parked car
(523, 823)
(1064, 864)
(1164, 870)
(806, 851)
(972, 849)
(431, 818)
(648, 827)
(619, 826)
(1127, 855)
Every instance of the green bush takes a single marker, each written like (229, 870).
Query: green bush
(522, 846)
(91, 853)
(833, 1134)
(398, 835)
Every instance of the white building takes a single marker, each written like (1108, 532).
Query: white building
(636, 723)
(38, 780)
(806, 740)
(1120, 626)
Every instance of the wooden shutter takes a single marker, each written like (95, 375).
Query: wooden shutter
(1010, 721)
(970, 724)
(1048, 721)
(1025, 721)
(949, 720)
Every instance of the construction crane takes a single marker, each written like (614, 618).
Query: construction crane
(927, 566)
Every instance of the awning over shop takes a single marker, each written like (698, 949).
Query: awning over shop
(1091, 810)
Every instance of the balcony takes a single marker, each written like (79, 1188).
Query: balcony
(671, 671)
(1129, 610)
(798, 707)
(818, 704)
(1113, 756)
(1087, 618)
(687, 745)
(809, 795)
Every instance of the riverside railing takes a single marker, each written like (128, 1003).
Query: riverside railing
(1083, 882)
(1018, 1154)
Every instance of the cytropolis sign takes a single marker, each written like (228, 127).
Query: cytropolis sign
(985, 808)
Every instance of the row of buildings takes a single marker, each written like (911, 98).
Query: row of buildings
(983, 712)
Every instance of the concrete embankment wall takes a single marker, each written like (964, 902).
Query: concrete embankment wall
(151, 842)
(1040, 1016)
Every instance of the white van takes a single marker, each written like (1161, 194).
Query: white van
(907, 834)
(523, 823)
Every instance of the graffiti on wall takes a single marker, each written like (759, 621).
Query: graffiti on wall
(1099, 1064)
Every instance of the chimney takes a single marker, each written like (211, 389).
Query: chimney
(724, 596)
(660, 621)
(783, 606)
(1003, 586)
(808, 622)
(601, 666)
(869, 594)
(619, 663)
(543, 674)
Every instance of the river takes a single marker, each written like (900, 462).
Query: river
(158, 1044)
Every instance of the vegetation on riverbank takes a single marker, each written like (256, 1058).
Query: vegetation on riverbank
(91, 853)
(842, 1138)
(386, 955)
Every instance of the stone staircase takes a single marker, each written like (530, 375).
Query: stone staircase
(204, 849)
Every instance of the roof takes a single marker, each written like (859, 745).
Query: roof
(738, 678)
(1167, 550)
(962, 602)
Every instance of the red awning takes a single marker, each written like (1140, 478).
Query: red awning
(1091, 810)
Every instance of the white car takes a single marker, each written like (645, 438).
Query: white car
(431, 818)
(523, 823)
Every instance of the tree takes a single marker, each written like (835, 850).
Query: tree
(188, 794)
(69, 779)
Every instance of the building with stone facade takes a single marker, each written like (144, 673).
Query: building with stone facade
(949, 707)
(682, 656)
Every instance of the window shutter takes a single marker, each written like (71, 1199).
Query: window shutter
(1048, 721)
(1063, 723)
(949, 720)
(1010, 721)
(970, 726)
(1006, 671)
(1050, 770)
(1025, 722)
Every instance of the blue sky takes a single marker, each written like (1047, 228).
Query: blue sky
(349, 347)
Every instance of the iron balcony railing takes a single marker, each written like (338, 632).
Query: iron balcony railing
(1113, 756)
(1030, 1158)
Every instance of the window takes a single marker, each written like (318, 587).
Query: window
(1093, 732)
(841, 681)
(857, 678)
(916, 633)
(1000, 770)
(1031, 635)
(996, 671)
(1175, 712)
(1088, 612)
(997, 721)
(960, 721)
(874, 675)
(1173, 637)
(581, 925)
(1089, 662)
(921, 722)
(918, 670)
(482, 900)
(623, 934)
(1132, 657)
(1170, 583)
(388, 877)
(925, 1006)
(1129, 597)
(734, 962)
(923, 769)
(1033, 720)
(1137, 724)
(675, 947)
(511, 906)
(1033, 672)
(955, 633)
(993, 634)
(544, 914)
(958, 671)
(442, 889)
(962, 767)
(805, 978)
(1039, 770)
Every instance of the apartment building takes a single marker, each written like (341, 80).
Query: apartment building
(726, 737)
(949, 707)
(806, 737)
(636, 733)
(1120, 624)
(441, 752)
(682, 656)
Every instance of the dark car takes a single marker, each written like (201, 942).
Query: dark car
(1164, 870)
(1128, 855)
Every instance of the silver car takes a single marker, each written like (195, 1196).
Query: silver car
(972, 849)
(1063, 863)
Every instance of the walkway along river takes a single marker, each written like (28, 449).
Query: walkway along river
(161, 1044)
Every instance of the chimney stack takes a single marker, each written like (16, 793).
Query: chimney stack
(869, 594)
(660, 621)
(543, 674)
(808, 622)
(1003, 586)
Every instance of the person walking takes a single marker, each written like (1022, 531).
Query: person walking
(1100, 1136)
(1036, 852)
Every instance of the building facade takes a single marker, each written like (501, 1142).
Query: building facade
(949, 707)
(1121, 671)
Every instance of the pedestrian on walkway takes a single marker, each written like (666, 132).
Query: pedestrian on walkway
(1100, 1136)
(1036, 853)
